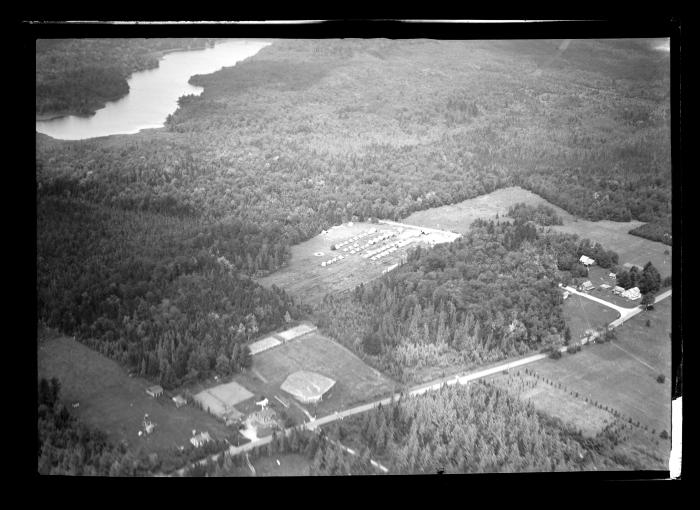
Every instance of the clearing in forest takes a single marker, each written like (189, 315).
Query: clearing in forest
(346, 255)
(613, 235)
(114, 402)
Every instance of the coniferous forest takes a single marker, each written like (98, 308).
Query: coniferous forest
(148, 245)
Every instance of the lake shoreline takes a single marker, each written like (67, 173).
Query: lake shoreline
(95, 118)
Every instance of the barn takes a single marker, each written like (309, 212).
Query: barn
(307, 387)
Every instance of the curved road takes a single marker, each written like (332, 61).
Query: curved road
(463, 378)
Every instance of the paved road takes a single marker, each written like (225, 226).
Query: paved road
(462, 378)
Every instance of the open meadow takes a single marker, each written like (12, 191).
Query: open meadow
(116, 403)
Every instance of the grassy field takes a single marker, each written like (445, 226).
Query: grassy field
(555, 399)
(458, 217)
(355, 381)
(611, 234)
(305, 278)
(116, 403)
(582, 314)
(622, 375)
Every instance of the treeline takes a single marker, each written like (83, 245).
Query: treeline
(540, 214)
(79, 75)
(162, 295)
(648, 279)
(488, 295)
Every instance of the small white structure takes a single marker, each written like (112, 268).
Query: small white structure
(632, 294)
(618, 290)
(613, 276)
(263, 403)
(604, 286)
(586, 261)
(566, 294)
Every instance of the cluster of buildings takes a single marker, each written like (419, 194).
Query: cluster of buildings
(632, 294)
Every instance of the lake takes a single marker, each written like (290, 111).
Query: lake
(153, 94)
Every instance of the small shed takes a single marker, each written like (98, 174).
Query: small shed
(587, 285)
(154, 391)
(586, 261)
(179, 401)
(618, 289)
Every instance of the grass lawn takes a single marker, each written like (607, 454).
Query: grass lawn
(116, 403)
(356, 382)
(582, 314)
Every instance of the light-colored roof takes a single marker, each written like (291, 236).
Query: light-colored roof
(299, 330)
(263, 345)
(155, 389)
(307, 385)
(586, 260)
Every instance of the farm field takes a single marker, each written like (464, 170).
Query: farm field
(554, 399)
(116, 403)
(622, 374)
(306, 279)
(356, 382)
(582, 314)
(291, 464)
(611, 234)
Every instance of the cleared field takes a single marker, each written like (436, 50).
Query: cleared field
(355, 381)
(555, 400)
(116, 403)
(611, 234)
(353, 263)
(622, 374)
(582, 314)
(458, 217)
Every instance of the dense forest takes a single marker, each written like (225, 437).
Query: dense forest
(491, 294)
(165, 296)
(78, 76)
(146, 243)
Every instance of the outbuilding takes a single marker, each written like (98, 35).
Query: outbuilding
(586, 261)
(154, 391)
